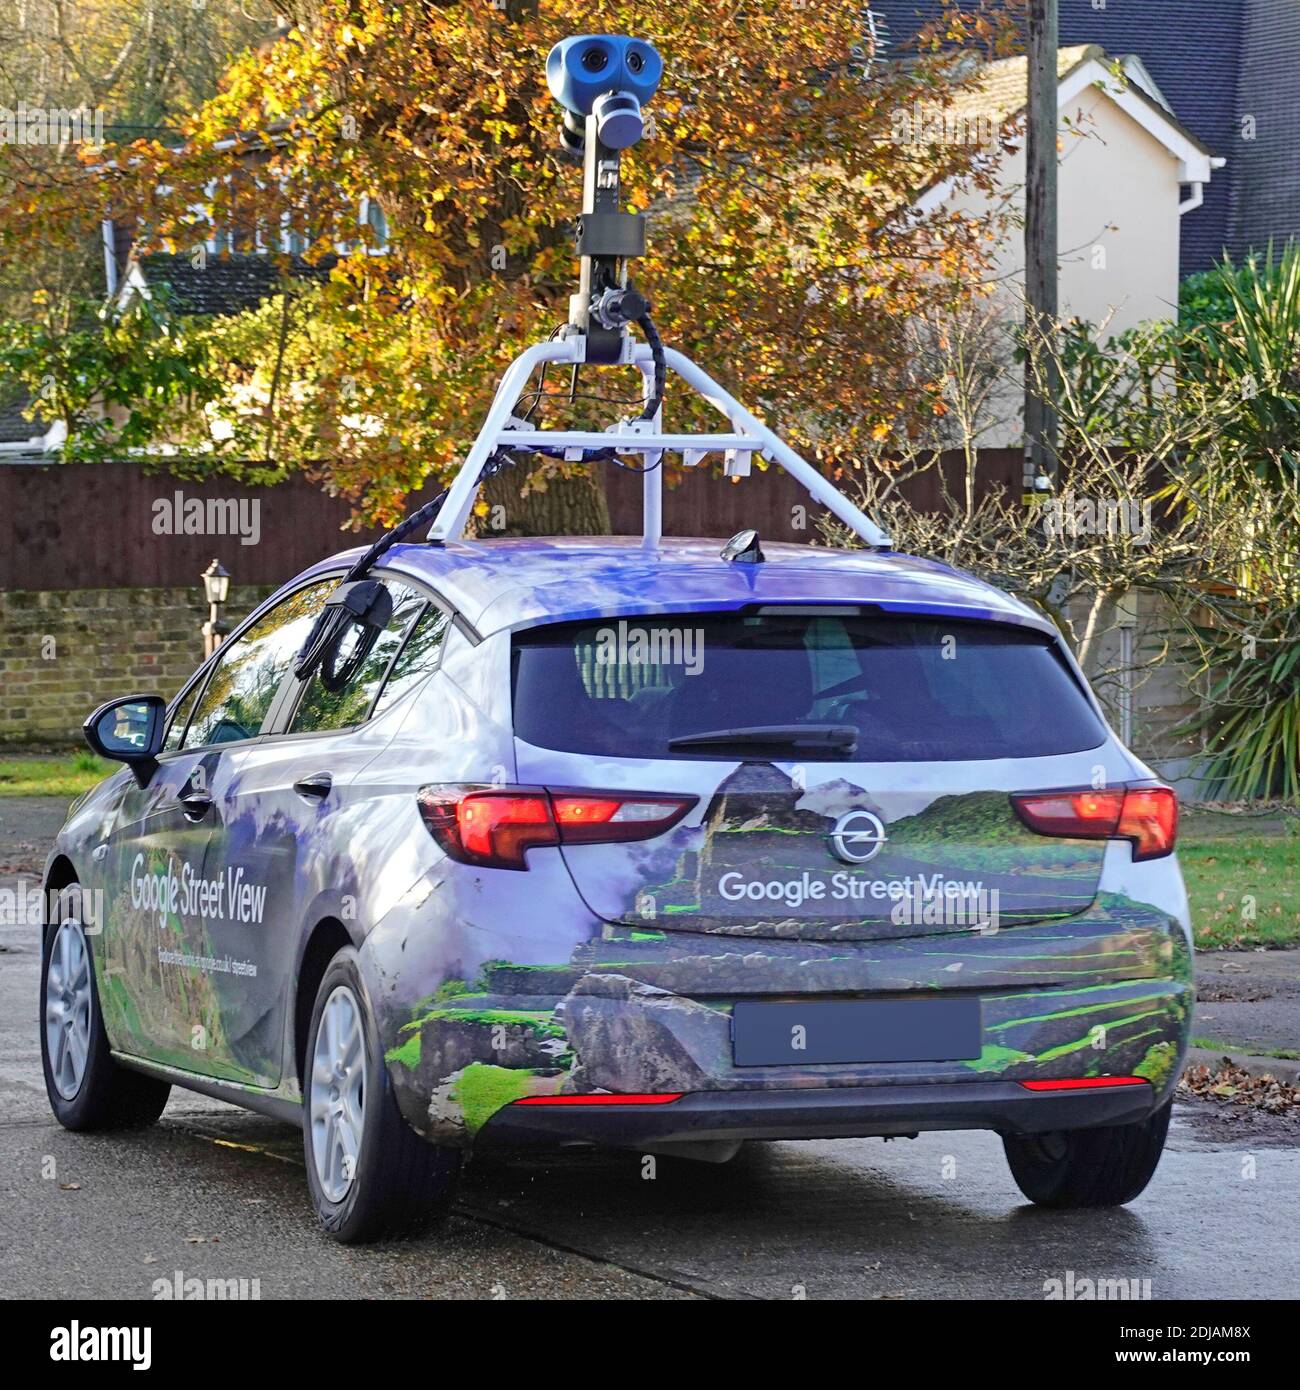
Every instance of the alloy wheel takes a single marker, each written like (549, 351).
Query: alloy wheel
(68, 1002)
(337, 1100)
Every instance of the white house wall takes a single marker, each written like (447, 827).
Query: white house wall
(1119, 225)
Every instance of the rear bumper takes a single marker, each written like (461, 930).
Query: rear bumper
(840, 1112)
(1065, 1001)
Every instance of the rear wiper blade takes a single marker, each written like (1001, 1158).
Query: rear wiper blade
(774, 735)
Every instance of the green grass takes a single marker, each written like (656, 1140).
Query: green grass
(1244, 889)
(1282, 1054)
(68, 775)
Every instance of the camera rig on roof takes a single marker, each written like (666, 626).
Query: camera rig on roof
(602, 82)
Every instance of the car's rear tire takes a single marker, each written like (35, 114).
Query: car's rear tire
(1104, 1167)
(88, 1090)
(370, 1175)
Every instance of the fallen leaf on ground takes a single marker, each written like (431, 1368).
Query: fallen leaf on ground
(1229, 1085)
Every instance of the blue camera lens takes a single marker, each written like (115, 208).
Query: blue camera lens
(595, 60)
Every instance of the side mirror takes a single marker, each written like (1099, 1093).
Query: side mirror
(129, 731)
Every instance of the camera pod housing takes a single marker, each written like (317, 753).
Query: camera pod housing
(608, 76)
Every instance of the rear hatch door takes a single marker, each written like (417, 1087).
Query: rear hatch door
(859, 785)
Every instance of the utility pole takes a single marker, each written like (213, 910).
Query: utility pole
(1041, 245)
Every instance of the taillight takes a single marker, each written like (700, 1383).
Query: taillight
(1145, 816)
(1150, 820)
(495, 827)
(604, 817)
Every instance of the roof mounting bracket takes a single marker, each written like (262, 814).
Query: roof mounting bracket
(502, 429)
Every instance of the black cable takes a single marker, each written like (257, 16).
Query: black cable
(647, 326)
(321, 648)
(650, 408)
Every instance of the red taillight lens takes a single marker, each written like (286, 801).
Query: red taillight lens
(609, 817)
(1150, 820)
(492, 828)
(1082, 815)
(1146, 816)
(503, 827)
(495, 827)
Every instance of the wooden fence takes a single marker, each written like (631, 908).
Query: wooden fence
(111, 525)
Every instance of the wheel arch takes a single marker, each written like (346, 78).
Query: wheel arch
(61, 873)
(320, 947)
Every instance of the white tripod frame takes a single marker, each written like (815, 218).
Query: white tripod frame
(502, 430)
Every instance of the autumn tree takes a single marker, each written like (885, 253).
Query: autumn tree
(783, 254)
(142, 67)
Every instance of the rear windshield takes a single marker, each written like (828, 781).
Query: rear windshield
(915, 689)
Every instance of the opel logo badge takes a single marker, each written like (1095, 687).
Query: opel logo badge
(858, 836)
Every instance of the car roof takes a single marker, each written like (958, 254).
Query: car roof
(513, 583)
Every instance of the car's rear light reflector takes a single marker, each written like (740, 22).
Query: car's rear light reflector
(1145, 816)
(1085, 1083)
(495, 826)
(634, 1098)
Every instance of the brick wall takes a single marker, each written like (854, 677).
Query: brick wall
(64, 651)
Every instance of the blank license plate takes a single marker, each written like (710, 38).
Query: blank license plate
(818, 1032)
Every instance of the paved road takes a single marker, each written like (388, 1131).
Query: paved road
(214, 1192)
(1249, 1000)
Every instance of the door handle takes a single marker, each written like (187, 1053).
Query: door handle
(195, 802)
(316, 787)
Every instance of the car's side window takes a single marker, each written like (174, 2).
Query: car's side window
(244, 683)
(417, 658)
(181, 718)
(320, 709)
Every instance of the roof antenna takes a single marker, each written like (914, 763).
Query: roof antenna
(744, 549)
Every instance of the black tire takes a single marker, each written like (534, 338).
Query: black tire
(400, 1184)
(109, 1096)
(1104, 1167)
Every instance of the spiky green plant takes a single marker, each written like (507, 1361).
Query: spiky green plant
(1250, 725)
(1251, 721)
(1255, 353)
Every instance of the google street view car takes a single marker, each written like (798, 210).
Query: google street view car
(659, 844)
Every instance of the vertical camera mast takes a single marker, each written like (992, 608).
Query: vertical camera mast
(602, 82)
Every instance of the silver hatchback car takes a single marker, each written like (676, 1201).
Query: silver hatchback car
(582, 842)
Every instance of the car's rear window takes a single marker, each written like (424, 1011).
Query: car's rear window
(915, 689)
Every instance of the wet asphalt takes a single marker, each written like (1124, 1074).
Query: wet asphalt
(215, 1192)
